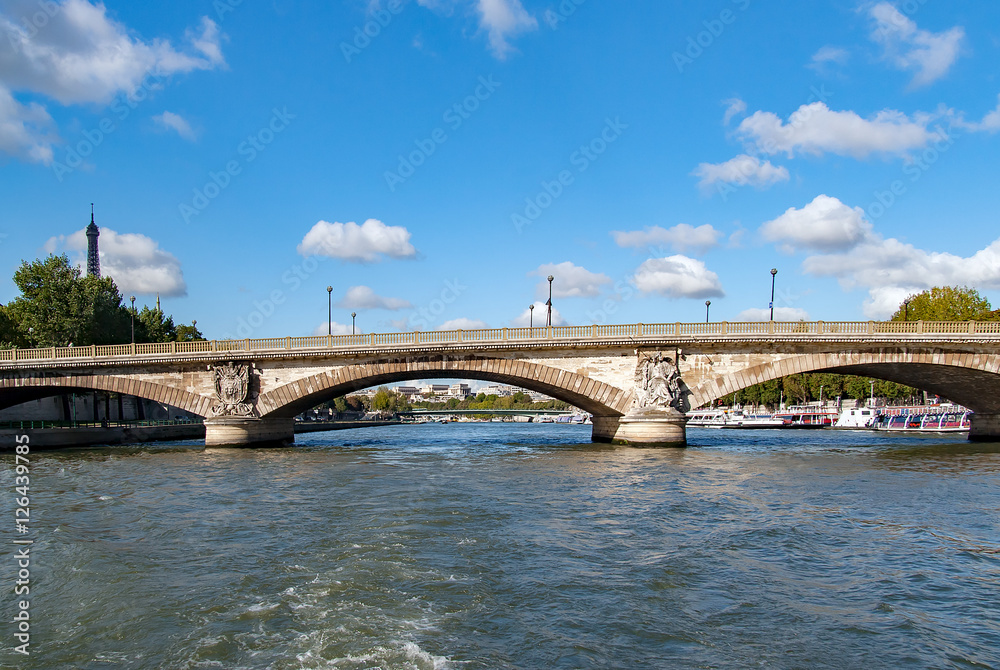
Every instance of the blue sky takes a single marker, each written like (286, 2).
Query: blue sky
(435, 160)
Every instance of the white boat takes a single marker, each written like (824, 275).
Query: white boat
(938, 422)
(857, 418)
(731, 418)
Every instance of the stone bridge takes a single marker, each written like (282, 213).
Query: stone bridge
(637, 380)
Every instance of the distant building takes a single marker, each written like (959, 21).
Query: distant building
(434, 389)
(93, 257)
(408, 391)
(460, 391)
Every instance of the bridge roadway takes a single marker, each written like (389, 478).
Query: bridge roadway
(637, 380)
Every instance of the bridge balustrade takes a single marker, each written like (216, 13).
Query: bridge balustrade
(527, 335)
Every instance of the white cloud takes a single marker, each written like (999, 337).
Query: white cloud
(780, 314)
(363, 297)
(743, 170)
(816, 129)
(828, 54)
(734, 106)
(500, 19)
(134, 261)
(677, 277)
(525, 318)
(889, 268)
(825, 224)
(682, 237)
(334, 329)
(176, 122)
(503, 19)
(571, 281)
(929, 54)
(365, 243)
(26, 131)
(463, 324)
(990, 122)
(83, 56)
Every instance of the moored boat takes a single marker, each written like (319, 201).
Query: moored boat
(938, 422)
(807, 417)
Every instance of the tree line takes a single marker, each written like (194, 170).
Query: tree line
(59, 306)
(390, 401)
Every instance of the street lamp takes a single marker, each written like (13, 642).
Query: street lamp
(329, 310)
(353, 314)
(872, 401)
(133, 318)
(906, 310)
(548, 318)
(531, 315)
(774, 271)
(821, 395)
(708, 303)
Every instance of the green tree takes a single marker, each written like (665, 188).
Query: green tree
(945, 303)
(382, 402)
(152, 326)
(10, 334)
(52, 308)
(186, 333)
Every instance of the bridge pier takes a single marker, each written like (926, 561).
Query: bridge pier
(985, 427)
(642, 428)
(229, 431)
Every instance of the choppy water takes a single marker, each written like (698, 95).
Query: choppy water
(516, 546)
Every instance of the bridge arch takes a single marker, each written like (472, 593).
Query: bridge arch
(591, 395)
(34, 385)
(972, 380)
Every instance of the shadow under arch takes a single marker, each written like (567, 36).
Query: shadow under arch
(26, 388)
(590, 395)
(972, 383)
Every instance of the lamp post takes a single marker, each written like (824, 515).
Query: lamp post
(353, 314)
(821, 395)
(548, 318)
(531, 315)
(872, 400)
(774, 271)
(906, 310)
(329, 310)
(132, 298)
(708, 303)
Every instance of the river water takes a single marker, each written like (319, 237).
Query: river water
(515, 546)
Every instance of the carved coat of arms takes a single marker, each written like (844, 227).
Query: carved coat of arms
(657, 383)
(232, 387)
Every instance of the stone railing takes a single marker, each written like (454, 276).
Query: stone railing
(987, 330)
